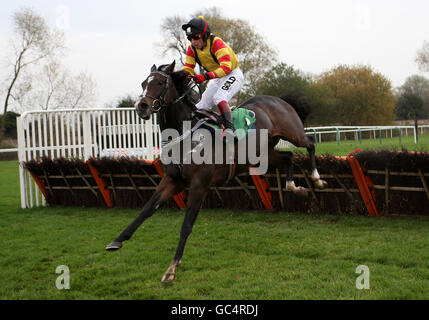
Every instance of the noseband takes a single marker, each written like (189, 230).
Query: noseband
(160, 102)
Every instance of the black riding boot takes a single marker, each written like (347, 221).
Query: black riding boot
(225, 110)
(228, 123)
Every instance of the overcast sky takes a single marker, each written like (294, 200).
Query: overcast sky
(114, 40)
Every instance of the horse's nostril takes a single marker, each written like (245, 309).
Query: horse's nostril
(142, 105)
(143, 110)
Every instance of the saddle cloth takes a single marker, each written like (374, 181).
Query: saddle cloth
(244, 120)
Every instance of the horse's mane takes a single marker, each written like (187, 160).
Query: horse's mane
(181, 81)
(180, 78)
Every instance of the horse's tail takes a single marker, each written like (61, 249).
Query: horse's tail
(299, 102)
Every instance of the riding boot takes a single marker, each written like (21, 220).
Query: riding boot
(227, 121)
(225, 110)
(229, 134)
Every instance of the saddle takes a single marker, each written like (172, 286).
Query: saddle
(243, 120)
(212, 116)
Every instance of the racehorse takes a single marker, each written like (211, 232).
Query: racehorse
(165, 93)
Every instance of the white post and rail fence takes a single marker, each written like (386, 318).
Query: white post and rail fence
(81, 134)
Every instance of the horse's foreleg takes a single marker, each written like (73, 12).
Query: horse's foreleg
(196, 197)
(165, 190)
(319, 183)
(287, 160)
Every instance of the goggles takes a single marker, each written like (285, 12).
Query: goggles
(194, 36)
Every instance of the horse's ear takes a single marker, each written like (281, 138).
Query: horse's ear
(153, 68)
(170, 68)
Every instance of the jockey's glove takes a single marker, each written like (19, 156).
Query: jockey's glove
(200, 78)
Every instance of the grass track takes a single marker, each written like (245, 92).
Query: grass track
(347, 146)
(240, 255)
(230, 255)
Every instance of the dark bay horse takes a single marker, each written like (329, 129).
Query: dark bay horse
(164, 92)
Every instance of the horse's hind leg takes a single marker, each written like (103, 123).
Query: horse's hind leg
(165, 190)
(319, 183)
(196, 196)
(286, 159)
(307, 142)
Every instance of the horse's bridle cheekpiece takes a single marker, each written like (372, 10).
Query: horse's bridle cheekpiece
(160, 101)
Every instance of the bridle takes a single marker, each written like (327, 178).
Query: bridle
(159, 103)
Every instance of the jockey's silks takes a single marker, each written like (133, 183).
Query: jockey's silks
(226, 57)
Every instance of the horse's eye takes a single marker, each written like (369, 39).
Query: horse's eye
(160, 83)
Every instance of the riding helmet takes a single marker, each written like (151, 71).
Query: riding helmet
(197, 26)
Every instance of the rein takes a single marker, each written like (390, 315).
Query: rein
(186, 93)
(160, 103)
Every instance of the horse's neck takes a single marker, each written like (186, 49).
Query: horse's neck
(174, 115)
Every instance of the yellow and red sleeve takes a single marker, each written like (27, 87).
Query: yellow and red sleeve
(190, 62)
(222, 53)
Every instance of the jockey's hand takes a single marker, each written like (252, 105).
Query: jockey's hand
(199, 78)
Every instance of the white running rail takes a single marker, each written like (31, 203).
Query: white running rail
(81, 134)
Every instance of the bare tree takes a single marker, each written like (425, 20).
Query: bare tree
(254, 54)
(174, 38)
(81, 91)
(56, 88)
(33, 42)
(422, 58)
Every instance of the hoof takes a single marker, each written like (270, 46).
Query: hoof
(301, 192)
(115, 245)
(168, 277)
(320, 184)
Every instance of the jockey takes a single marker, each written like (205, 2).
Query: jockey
(220, 64)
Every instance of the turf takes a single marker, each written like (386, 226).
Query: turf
(347, 146)
(230, 254)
